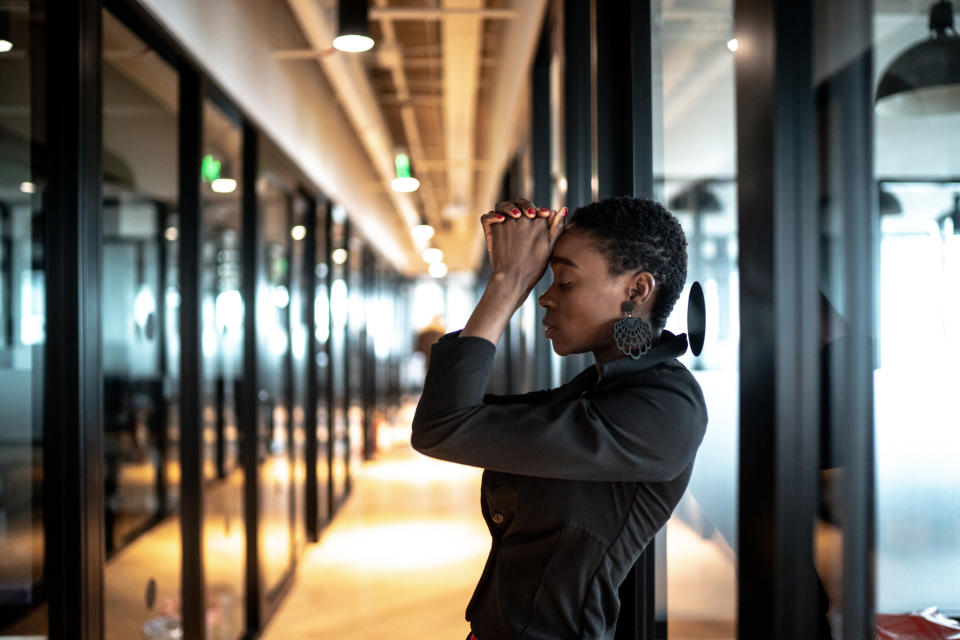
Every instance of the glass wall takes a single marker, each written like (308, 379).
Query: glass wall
(917, 165)
(695, 177)
(339, 312)
(140, 333)
(299, 334)
(275, 197)
(22, 337)
(222, 309)
(321, 333)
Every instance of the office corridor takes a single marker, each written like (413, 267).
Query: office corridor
(399, 561)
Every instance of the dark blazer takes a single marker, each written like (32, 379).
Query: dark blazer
(577, 479)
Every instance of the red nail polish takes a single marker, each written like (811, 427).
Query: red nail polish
(564, 212)
(531, 210)
(501, 217)
(517, 211)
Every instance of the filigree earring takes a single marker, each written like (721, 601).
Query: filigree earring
(633, 336)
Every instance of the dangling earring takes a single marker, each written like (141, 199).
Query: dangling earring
(633, 336)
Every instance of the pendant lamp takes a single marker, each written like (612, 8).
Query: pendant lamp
(6, 38)
(353, 32)
(925, 79)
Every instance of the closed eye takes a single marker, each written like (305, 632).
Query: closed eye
(564, 285)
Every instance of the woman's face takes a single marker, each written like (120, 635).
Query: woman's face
(584, 300)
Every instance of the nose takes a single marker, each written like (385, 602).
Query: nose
(545, 300)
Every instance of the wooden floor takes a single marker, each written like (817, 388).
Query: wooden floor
(399, 561)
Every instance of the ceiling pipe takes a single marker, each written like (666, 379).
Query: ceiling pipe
(408, 117)
(462, 43)
(509, 89)
(350, 83)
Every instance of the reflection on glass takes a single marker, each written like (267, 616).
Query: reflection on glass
(222, 341)
(141, 342)
(22, 320)
(696, 165)
(275, 189)
(299, 334)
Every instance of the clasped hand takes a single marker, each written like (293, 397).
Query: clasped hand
(520, 238)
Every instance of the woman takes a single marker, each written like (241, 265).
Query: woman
(577, 480)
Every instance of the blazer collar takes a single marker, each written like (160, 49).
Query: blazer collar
(669, 346)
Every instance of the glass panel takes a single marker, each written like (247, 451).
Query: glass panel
(321, 333)
(917, 435)
(275, 197)
(141, 338)
(356, 338)
(222, 309)
(22, 318)
(340, 307)
(695, 165)
(299, 306)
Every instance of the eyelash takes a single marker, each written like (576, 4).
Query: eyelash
(563, 285)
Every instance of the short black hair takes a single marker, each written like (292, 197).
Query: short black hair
(636, 234)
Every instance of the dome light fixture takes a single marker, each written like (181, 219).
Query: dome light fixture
(432, 255)
(353, 33)
(925, 79)
(6, 39)
(404, 182)
(422, 233)
(224, 185)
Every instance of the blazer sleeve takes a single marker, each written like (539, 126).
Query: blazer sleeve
(646, 431)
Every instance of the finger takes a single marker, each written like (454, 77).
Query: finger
(491, 217)
(526, 206)
(557, 224)
(543, 212)
(508, 209)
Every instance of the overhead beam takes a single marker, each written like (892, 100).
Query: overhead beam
(440, 13)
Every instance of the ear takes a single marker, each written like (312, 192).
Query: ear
(641, 288)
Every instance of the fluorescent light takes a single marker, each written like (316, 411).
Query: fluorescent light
(28, 187)
(423, 232)
(733, 44)
(298, 232)
(405, 185)
(438, 269)
(5, 45)
(339, 256)
(353, 43)
(432, 255)
(224, 185)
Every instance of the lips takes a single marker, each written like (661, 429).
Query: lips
(548, 329)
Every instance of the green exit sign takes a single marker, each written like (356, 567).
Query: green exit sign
(209, 169)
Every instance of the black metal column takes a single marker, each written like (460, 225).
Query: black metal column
(249, 403)
(779, 412)
(191, 362)
(845, 101)
(542, 180)
(328, 346)
(624, 123)
(578, 122)
(73, 410)
(310, 410)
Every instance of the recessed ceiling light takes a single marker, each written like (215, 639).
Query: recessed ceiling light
(224, 185)
(423, 232)
(298, 232)
(438, 270)
(339, 256)
(432, 255)
(28, 187)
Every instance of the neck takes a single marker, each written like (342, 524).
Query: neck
(610, 352)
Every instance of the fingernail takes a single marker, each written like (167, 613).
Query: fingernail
(516, 211)
(564, 212)
(501, 217)
(531, 210)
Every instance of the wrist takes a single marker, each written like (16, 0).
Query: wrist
(508, 285)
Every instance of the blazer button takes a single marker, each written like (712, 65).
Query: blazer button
(497, 517)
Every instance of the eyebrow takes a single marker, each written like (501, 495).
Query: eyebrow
(562, 260)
